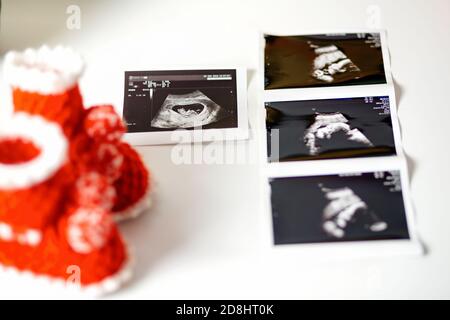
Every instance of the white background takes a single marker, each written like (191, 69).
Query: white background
(201, 239)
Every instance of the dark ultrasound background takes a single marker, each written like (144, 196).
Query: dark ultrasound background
(222, 96)
(140, 112)
(289, 59)
(297, 205)
(292, 118)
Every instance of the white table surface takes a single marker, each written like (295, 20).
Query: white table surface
(201, 239)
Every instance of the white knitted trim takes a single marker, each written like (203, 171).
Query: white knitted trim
(44, 70)
(47, 136)
(105, 286)
(144, 203)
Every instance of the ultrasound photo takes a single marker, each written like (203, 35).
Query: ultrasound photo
(330, 208)
(187, 111)
(323, 60)
(188, 99)
(329, 129)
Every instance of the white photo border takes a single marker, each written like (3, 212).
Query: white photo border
(332, 250)
(241, 132)
(344, 89)
(347, 249)
(374, 92)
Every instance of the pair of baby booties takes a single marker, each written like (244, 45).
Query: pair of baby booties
(65, 177)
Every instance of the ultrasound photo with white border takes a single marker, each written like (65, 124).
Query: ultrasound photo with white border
(329, 129)
(168, 100)
(158, 103)
(338, 208)
(323, 60)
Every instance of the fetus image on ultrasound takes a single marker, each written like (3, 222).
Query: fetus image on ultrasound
(345, 208)
(323, 60)
(330, 60)
(187, 111)
(327, 124)
(334, 208)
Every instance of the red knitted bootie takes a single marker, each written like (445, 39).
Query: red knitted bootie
(118, 161)
(54, 221)
(45, 83)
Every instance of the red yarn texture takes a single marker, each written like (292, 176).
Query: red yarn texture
(95, 151)
(65, 108)
(24, 151)
(133, 182)
(68, 111)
